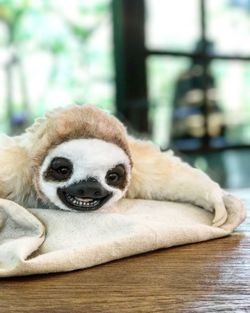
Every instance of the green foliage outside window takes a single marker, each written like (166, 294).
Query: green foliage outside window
(53, 53)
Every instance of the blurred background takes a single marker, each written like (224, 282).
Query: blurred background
(174, 71)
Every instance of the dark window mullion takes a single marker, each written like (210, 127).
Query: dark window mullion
(129, 50)
(152, 52)
(205, 76)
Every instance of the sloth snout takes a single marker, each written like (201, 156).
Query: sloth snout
(87, 189)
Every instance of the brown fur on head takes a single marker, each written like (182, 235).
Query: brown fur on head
(74, 123)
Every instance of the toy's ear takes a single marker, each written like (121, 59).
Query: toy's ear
(15, 170)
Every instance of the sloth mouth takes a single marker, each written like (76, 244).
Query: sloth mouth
(82, 203)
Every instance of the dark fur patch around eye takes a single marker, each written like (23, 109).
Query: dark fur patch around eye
(117, 177)
(60, 169)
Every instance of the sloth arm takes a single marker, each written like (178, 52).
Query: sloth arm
(162, 176)
(15, 167)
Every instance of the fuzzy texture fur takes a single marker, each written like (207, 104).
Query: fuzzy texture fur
(155, 175)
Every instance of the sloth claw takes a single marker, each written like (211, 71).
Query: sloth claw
(220, 216)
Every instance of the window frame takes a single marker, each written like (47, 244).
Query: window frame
(130, 55)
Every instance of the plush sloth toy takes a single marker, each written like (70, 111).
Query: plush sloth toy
(81, 159)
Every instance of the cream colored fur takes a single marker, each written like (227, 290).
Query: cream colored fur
(162, 176)
(15, 171)
(155, 175)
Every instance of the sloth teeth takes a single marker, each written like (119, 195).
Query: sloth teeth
(82, 202)
(84, 199)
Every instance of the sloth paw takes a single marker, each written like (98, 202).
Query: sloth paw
(220, 212)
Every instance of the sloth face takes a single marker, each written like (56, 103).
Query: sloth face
(84, 174)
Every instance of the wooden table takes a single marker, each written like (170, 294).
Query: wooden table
(206, 277)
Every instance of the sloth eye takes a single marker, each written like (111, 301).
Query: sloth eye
(116, 176)
(60, 169)
(113, 177)
(63, 170)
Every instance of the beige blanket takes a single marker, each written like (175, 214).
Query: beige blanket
(43, 241)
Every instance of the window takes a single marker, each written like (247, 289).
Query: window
(213, 36)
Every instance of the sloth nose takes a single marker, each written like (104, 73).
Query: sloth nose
(90, 188)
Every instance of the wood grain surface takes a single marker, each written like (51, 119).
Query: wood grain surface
(213, 276)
